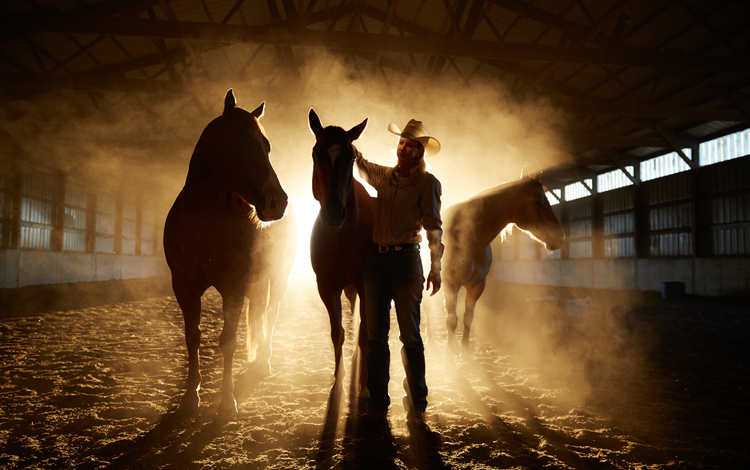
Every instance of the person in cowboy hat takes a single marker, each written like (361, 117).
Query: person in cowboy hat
(408, 200)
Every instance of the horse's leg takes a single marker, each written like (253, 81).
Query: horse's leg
(331, 297)
(473, 292)
(350, 292)
(474, 289)
(233, 304)
(189, 300)
(450, 292)
(364, 345)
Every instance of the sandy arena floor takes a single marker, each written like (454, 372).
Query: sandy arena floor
(660, 384)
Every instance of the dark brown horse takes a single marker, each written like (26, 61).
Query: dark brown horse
(341, 234)
(470, 226)
(216, 234)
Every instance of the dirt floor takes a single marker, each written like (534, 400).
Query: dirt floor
(610, 383)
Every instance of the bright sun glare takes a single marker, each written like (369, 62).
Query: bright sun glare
(306, 210)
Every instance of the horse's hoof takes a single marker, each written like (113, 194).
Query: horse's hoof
(189, 405)
(227, 412)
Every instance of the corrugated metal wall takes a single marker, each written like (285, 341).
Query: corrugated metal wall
(57, 212)
(618, 208)
(129, 219)
(105, 223)
(579, 228)
(38, 192)
(725, 206)
(669, 204)
(76, 203)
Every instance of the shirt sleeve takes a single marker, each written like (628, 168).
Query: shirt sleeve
(372, 173)
(431, 221)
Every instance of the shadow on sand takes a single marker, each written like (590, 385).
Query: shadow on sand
(177, 440)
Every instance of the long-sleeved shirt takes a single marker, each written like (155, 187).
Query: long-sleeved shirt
(405, 204)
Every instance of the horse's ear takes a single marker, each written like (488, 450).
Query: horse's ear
(258, 112)
(315, 126)
(523, 171)
(356, 131)
(229, 101)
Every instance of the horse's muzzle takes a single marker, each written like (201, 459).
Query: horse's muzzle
(274, 210)
(332, 219)
(275, 201)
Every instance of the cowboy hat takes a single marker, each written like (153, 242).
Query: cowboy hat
(415, 130)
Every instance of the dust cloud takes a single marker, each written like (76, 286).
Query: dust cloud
(143, 143)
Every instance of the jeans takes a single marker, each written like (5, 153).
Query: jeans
(397, 276)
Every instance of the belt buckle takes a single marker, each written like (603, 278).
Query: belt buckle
(383, 248)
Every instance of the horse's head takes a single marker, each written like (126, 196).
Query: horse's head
(232, 156)
(534, 215)
(333, 159)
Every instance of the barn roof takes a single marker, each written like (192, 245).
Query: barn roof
(631, 78)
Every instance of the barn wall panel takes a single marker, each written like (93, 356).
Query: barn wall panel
(9, 263)
(707, 277)
(505, 271)
(131, 266)
(108, 267)
(38, 267)
(577, 273)
(615, 274)
(21, 268)
(702, 276)
(76, 267)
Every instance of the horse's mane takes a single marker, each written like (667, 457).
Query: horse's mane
(236, 204)
(496, 190)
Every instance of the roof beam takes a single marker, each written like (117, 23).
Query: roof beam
(108, 83)
(439, 46)
(656, 112)
(616, 141)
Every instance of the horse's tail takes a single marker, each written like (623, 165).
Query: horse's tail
(255, 316)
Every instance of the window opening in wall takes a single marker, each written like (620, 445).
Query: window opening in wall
(579, 229)
(725, 148)
(37, 194)
(147, 232)
(618, 209)
(578, 190)
(613, 180)
(74, 223)
(129, 215)
(105, 223)
(665, 165)
(552, 199)
(5, 198)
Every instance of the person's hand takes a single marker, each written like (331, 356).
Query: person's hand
(433, 280)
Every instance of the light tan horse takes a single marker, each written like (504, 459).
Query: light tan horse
(216, 235)
(470, 226)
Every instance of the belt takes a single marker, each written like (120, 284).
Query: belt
(403, 246)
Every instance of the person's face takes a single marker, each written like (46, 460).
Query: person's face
(408, 151)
